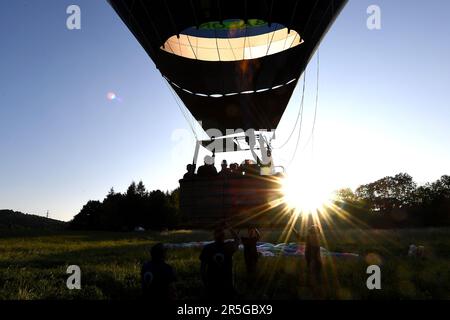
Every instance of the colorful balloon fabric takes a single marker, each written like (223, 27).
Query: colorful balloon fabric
(267, 249)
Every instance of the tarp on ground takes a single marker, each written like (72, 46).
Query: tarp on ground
(268, 249)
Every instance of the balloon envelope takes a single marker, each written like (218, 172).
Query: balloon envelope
(233, 63)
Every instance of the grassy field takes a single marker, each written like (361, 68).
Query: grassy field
(34, 266)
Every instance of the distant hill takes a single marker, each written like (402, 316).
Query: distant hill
(12, 220)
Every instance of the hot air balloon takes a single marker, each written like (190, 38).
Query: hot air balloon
(234, 64)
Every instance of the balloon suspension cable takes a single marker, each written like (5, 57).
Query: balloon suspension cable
(130, 11)
(186, 116)
(299, 116)
(311, 136)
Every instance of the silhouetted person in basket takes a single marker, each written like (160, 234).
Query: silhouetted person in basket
(217, 266)
(190, 174)
(225, 170)
(208, 169)
(234, 170)
(158, 277)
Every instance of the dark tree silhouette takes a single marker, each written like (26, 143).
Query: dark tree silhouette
(388, 193)
(398, 202)
(390, 202)
(137, 207)
(89, 217)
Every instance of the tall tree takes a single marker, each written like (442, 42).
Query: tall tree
(140, 189)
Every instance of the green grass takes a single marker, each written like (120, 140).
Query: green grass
(34, 266)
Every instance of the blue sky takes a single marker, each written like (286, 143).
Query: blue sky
(383, 104)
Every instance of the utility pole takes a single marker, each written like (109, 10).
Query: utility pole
(47, 214)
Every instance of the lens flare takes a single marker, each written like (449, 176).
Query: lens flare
(111, 96)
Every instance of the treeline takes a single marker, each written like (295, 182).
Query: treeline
(390, 202)
(137, 208)
(396, 202)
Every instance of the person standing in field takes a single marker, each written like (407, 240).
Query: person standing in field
(217, 265)
(312, 255)
(250, 251)
(158, 278)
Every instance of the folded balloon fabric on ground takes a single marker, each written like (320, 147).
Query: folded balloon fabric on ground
(268, 249)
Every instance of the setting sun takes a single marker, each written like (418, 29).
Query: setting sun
(305, 194)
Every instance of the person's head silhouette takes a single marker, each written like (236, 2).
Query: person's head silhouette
(209, 160)
(252, 231)
(224, 164)
(158, 252)
(219, 234)
(314, 229)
